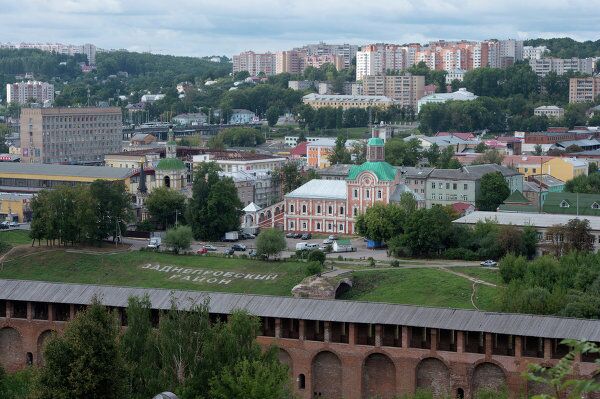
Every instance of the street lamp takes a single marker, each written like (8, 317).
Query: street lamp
(176, 213)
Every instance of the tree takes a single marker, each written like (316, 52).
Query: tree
(489, 157)
(426, 233)
(270, 242)
(578, 236)
(272, 115)
(113, 209)
(358, 153)
(558, 378)
(316, 255)
(538, 150)
(380, 222)
(481, 148)
(179, 238)
(402, 153)
(165, 206)
(4, 132)
(408, 202)
(252, 379)
(493, 191)
(85, 362)
(584, 184)
(339, 154)
(433, 154)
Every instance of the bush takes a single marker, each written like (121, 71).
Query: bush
(314, 268)
(395, 263)
(371, 261)
(460, 254)
(270, 242)
(179, 239)
(316, 256)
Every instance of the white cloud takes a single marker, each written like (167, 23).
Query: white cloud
(204, 27)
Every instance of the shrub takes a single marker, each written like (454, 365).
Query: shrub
(460, 254)
(314, 268)
(371, 261)
(316, 256)
(395, 263)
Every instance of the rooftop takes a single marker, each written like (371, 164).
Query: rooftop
(383, 170)
(472, 172)
(319, 188)
(311, 309)
(98, 172)
(460, 94)
(170, 164)
(342, 97)
(542, 220)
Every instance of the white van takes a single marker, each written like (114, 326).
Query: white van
(312, 245)
(301, 246)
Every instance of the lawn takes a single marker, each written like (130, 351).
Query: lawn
(483, 273)
(148, 269)
(430, 287)
(15, 237)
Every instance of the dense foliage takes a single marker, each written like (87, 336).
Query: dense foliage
(270, 242)
(237, 137)
(567, 286)
(492, 192)
(565, 47)
(166, 207)
(179, 238)
(80, 214)
(583, 184)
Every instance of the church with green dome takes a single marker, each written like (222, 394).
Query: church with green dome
(170, 171)
(330, 206)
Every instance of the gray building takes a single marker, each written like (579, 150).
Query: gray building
(256, 186)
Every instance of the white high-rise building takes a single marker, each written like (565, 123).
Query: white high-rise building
(23, 92)
(378, 59)
(535, 53)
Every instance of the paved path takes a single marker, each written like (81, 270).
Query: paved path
(474, 280)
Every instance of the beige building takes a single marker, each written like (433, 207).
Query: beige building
(346, 101)
(584, 89)
(550, 111)
(406, 89)
(70, 135)
(23, 92)
(254, 63)
(292, 61)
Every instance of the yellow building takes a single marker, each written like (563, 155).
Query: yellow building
(317, 101)
(15, 207)
(565, 169)
(31, 178)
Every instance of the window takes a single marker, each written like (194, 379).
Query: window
(330, 210)
(432, 184)
(441, 196)
(379, 195)
(368, 193)
(447, 186)
(329, 227)
(595, 205)
(291, 208)
(341, 227)
(454, 186)
(564, 204)
(318, 226)
(466, 186)
(291, 225)
(355, 195)
(341, 210)
(354, 212)
(303, 225)
(303, 208)
(318, 209)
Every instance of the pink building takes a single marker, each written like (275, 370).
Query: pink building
(331, 206)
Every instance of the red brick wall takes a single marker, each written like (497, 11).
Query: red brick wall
(488, 376)
(378, 377)
(327, 376)
(434, 375)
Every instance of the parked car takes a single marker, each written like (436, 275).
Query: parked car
(327, 242)
(290, 235)
(306, 236)
(325, 247)
(228, 251)
(297, 235)
(153, 243)
(312, 245)
(301, 246)
(202, 251)
(3, 225)
(209, 247)
(14, 224)
(238, 247)
(247, 236)
(489, 263)
(333, 237)
(252, 253)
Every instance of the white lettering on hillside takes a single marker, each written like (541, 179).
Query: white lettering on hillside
(205, 276)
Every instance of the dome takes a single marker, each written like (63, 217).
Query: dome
(170, 164)
(375, 141)
(165, 395)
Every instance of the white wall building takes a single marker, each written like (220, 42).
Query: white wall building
(460, 95)
(535, 53)
(550, 111)
(455, 74)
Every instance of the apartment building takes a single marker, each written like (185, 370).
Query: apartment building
(455, 74)
(66, 49)
(23, 92)
(377, 59)
(256, 186)
(346, 51)
(584, 89)
(254, 63)
(346, 101)
(70, 135)
(534, 52)
(292, 61)
(317, 61)
(543, 66)
(406, 89)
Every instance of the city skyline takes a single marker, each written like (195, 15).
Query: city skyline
(218, 28)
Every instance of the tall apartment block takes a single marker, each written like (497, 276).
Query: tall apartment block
(254, 63)
(67, 49)
(407, 89)
(70, 135)
(584, 89)
(377, 59)
(346, 51)
(291, 61)
(23, 92)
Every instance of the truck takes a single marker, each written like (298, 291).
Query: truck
(231, 236)
(342, 246)
(154, 242)
(301, 246)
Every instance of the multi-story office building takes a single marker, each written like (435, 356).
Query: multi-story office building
(584, 89)
(543, 66)
(70, 135)
(23, 92)
(406, 89)
(254, 63)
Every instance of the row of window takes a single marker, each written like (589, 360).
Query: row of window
(448, 197)
(448, 185)
(330, 209)
(318, 226)
(378, 193)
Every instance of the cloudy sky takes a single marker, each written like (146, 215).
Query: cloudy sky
(224, 27)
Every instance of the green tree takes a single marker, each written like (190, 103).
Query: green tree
(270, 242)
(179, 238)
(589, 184)
(272, 115)
(381, 222)
(408, 202)
(538, 150)
(113, 209)
(427, 232)
(85, 362)
(493, 191)
(317, 255)
(339, 154)
(402, 153)
(4, 132)
(165, 206)
(433, 154)
(358, 153)
(489, 157)
(252, 379)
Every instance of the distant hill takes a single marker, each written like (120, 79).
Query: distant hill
(565, 47)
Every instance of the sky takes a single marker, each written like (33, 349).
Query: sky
(227, 27)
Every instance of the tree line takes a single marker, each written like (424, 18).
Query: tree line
(187, 352)
(80, 214)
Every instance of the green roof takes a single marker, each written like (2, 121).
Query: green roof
(375, 141)
(572, 204)
(516, 197)
(383, 170)
(171, 142)
(170, 164)
(518, 208)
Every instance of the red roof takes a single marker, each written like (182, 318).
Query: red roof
(512, 160)
(299, 150)
(461, 207)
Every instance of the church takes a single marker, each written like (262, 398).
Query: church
(330, 206)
